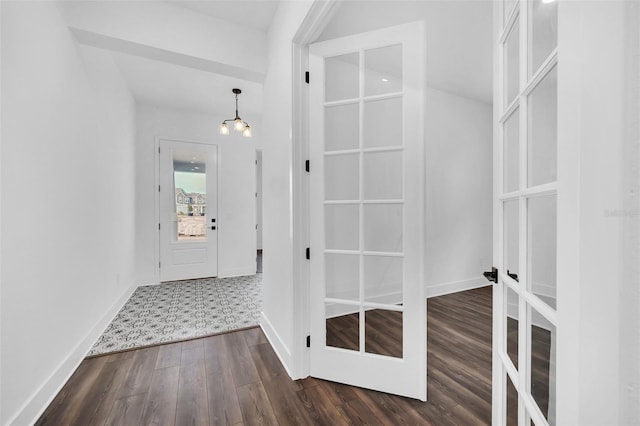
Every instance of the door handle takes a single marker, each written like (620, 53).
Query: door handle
(514, 276)
(213, 228)
(491, 275)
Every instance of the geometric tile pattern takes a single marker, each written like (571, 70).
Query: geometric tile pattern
(180, 310)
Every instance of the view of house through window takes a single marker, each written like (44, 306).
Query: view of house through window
(191, 202)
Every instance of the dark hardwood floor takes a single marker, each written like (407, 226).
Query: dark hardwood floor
(236, 378)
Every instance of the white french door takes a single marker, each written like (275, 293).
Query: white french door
(368, 307)
(525, 316)
(188, 210)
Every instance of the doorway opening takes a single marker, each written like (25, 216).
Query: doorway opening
(259, 211)
(457, 161)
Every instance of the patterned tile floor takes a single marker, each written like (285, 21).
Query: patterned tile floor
(182, 310)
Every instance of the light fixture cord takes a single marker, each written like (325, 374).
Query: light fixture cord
(237, 106)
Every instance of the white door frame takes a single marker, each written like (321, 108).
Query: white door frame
(156, 194)
(318, 17)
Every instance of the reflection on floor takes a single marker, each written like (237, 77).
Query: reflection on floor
(236, 378)
(540, 356)
(383, 332)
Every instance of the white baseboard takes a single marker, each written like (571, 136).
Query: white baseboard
(544, 290)
(33, 408)
(536, 318)
(276, 342)
(456, 286)
(334, 310)
(238, 272)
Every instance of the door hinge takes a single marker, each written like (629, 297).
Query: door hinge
(306, 77)
(158, 227)
(159, 264)
(158, 150)
(308, 341)
(256, 226)
(308, 253)
(158, 188)
(256, 195)
(491, 275)
(307, 166)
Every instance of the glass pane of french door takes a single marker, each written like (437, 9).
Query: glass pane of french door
(525, 308)
(363, 201)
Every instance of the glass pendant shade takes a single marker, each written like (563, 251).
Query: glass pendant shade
(238, 124)
(224, 129)
(247, 131)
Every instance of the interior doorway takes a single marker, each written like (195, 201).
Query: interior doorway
(258, 211)
(458, 120)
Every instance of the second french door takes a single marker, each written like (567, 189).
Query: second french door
(525, 212)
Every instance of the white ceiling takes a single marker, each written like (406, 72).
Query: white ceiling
(458, 40)
(256, 14)
(155, 80)
(458, 51)
(173, 86)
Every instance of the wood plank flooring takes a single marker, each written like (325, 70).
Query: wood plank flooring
(237, 379)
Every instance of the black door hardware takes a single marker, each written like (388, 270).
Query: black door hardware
(514, 276)
(213, 228)
(491, 275)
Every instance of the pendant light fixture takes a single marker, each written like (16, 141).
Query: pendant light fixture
(238, 124)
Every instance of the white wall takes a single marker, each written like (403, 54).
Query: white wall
(458, 132)
(458, 37)
(236, 187)
(458, 192)
(68, 203)
(598, 219)
(160, 30)
(458, 231)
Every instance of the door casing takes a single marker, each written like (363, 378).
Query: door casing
(319, 16)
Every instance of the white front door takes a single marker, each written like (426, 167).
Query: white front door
(368, 306)
(525, 316)
(188, 210)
